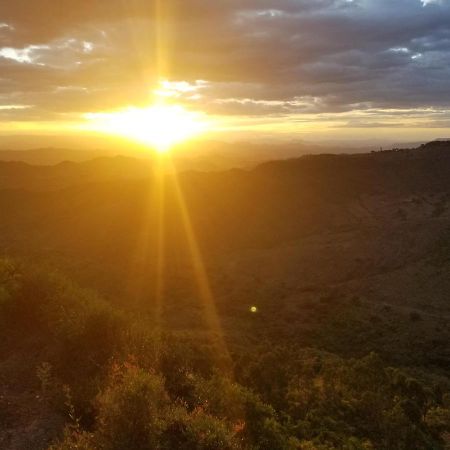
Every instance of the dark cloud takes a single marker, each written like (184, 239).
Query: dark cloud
(259, 57)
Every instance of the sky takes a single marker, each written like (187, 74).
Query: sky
(288, 69)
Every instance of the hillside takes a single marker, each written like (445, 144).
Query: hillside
(346, 259)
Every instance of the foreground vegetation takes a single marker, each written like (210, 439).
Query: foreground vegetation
(121, 383)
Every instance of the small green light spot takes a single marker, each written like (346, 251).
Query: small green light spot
(254, 309)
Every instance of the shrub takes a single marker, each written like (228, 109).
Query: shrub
(135, 412)
(131, 410)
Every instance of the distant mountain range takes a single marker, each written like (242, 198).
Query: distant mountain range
(51, 156)
(28, 170)
(199, 155)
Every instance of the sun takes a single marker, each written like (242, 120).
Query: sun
(158, 126)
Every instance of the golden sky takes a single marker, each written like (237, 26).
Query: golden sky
(248, 68)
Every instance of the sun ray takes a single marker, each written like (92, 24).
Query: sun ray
(161, 126)
(222, 354)
(160, 240)
(149, 256)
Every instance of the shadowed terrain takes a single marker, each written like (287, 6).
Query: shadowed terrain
(345, 259)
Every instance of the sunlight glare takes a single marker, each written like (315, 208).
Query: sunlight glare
(159, 126)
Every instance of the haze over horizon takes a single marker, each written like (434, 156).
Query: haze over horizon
(280, 69)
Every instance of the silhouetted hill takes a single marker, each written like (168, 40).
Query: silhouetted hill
(20, 175)
(197, 155)
(109, 200)
(51, 156)
(425, 167)
(274, 203)
(393, 171)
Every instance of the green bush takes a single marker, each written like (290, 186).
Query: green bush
(135, 412)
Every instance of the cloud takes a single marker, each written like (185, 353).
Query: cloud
(255, 57)
(27, 55)
(432, 2)
(13, 107)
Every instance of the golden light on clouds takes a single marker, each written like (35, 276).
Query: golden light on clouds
(158, 126)
(357, 84)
